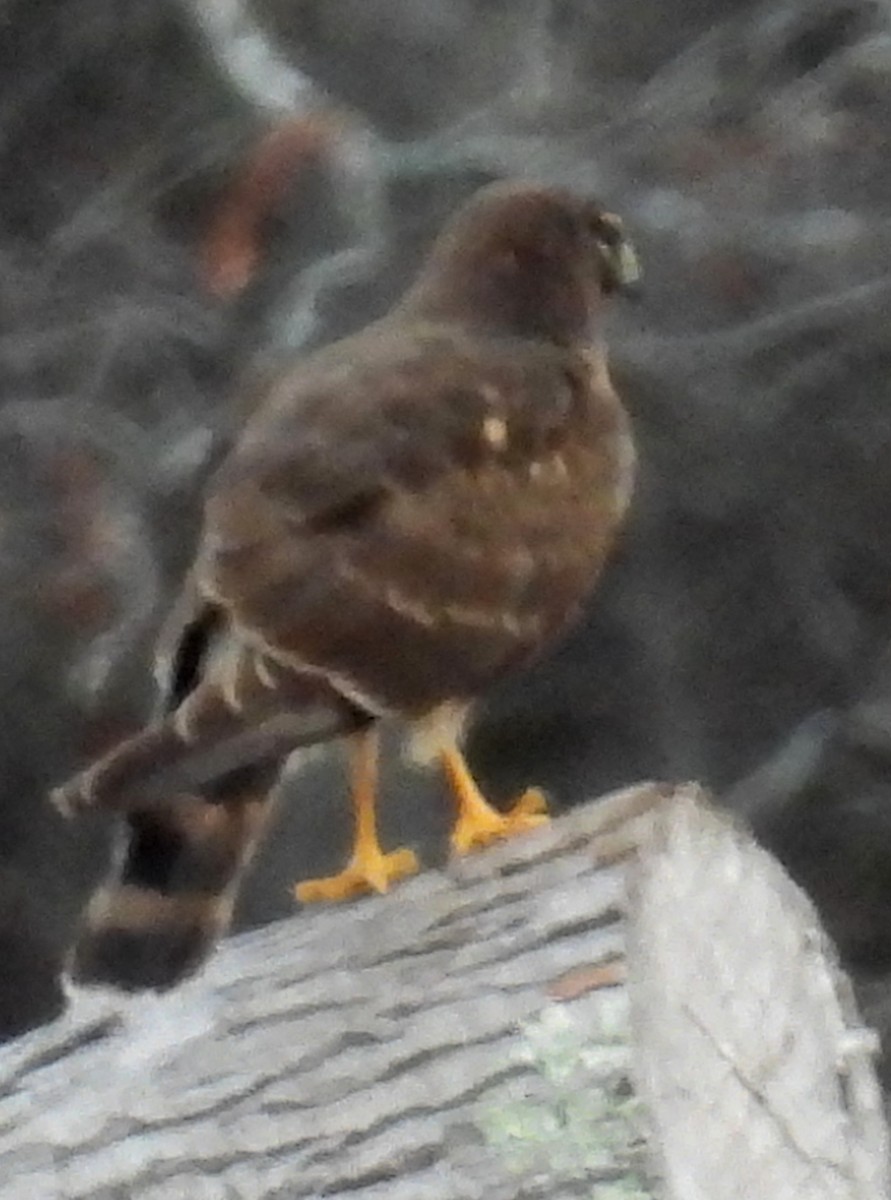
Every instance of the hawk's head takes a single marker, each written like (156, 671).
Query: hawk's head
(529, 260)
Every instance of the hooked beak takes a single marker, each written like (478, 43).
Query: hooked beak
(622, 271)
(626, 269)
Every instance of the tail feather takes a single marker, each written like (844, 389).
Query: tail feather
(166, 946)
(193, 787)
(158, 762)
(225, 704)
(173, 888)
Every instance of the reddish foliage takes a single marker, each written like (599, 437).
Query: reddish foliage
(232, 249)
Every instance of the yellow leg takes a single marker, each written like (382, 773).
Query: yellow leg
(478, 822)
(369, 869)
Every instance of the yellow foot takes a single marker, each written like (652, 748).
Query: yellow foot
(371, 873)
(480, 824)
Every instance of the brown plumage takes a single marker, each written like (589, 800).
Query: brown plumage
(408, 515)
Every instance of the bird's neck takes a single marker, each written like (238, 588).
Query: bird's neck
(504, 299)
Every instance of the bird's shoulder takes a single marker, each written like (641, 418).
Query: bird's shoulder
(384, 446)
(400, 403)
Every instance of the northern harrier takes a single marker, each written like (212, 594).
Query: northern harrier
(408, 515)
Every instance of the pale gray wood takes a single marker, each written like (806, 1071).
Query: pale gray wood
(405, 1046)
(467, 1037)
(751, 1058)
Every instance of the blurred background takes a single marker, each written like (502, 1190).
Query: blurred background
(194, 190)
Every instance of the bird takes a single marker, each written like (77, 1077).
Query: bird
(408, 515)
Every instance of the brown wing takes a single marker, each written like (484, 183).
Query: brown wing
(417, 512)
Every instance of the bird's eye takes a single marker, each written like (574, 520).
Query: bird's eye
(607, 228)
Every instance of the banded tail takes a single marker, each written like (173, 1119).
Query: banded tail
(173, 887)
(193, 789)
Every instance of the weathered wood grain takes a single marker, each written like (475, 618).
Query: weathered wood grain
(370, 1050)
(465, 1036)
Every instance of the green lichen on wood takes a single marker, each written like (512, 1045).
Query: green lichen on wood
(574, 1114)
